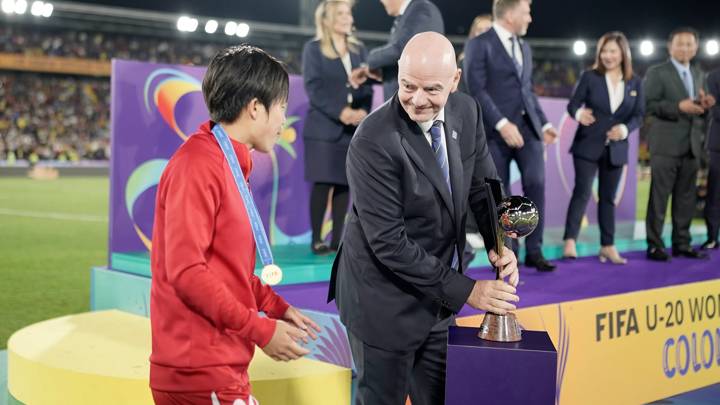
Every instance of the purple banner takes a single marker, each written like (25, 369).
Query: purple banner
(156, 107)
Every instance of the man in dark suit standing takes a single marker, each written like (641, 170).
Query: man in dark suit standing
(413, 165)
(411, 17)
(676, 103)
(498, 72)
(712, 200)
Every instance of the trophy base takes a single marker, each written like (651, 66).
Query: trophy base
(500, 328)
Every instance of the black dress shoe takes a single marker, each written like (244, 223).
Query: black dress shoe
(539, 263)
(689, 253)
(710, 245)
(320, 249)
(657, 254)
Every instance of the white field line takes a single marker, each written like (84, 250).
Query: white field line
(53, 215)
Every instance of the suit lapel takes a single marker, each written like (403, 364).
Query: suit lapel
(523, 54)
(453, 123)
(627, 99)
(676, 80)
(420, 152)
(606, 92)
(500, 48)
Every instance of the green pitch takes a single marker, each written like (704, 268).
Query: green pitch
(51, 233)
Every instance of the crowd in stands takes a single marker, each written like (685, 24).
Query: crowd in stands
(48, 116)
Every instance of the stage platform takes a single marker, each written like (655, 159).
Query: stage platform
(625, 334)
(102, 358)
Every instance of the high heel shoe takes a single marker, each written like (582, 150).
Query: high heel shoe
(610, 253)
(569, 251)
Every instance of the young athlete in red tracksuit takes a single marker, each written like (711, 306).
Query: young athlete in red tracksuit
(205, 299)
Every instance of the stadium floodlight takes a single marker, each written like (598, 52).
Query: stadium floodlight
(211, 26)
(47, 10)
(646, 47)
(20, 6)
(712, 47)
(230, 28)
(8, 6)
(243, 30)
(181, 23)
(580, 47)
(187, 24)
(37, 8)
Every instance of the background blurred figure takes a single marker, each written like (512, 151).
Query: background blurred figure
(498, 72)
(335, 111)
(480, 24)
(612, 106)
(712, 201)
(411, 17)
(676, 99)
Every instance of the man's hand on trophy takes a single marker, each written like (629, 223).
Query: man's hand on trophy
(494, 296)
(508, 263)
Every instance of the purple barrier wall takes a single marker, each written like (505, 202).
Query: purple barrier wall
(155, 107)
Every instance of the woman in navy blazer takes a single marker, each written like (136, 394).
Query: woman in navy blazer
(608, 104)
(335, 111)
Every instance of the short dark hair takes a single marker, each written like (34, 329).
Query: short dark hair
(238, 74)
(684, 30)
(500, 7)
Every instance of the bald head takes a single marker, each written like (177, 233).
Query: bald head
(428, 54)
(427, 74)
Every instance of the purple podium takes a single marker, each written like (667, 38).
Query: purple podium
(493, 373)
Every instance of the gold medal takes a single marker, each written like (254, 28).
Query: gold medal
(271, 274)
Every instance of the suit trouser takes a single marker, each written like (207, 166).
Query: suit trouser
(608, 179)
(712, 201)
(674, 176)
(386, 377)
(531, 162)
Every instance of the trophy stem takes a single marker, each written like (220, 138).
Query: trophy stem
(500, 328)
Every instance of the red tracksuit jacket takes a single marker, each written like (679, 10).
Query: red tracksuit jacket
(205, 298)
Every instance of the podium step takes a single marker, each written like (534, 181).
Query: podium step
(102, 358)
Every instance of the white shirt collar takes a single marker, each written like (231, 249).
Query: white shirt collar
(504, 34)
(404, 7)
(679, 66)
(425, 126)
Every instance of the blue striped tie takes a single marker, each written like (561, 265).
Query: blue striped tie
(441, 157)
(439, 150)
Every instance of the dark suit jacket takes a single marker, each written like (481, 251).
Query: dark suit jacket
(326, 84)
(672, 133)
(713, 140)
(592, 92)
(419, 16)
(492, 79)
(392, 274)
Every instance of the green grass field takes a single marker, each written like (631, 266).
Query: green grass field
(51, 233)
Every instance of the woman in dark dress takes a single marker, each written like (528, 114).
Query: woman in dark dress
(335, 111)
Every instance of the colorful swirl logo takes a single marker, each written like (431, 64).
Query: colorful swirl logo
(170, 86)
(163, 90)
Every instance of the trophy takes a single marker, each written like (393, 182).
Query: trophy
(517, 217)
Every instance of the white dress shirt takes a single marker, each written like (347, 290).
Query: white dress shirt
(347, 64)
(425, 127)
(403, 7)
(616, 95)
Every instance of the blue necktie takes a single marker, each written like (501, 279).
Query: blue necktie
(441, 158)
(688, 84)
(439, 150)
(513, 41)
